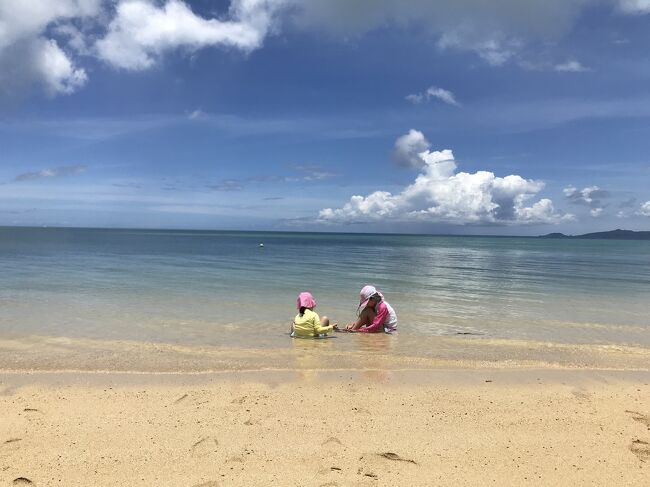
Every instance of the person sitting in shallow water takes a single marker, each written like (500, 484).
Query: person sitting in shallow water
(374, 312)
(307, 324)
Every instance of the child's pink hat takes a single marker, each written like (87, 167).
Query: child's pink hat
(305, 300)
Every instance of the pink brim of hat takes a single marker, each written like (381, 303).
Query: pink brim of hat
(305, 300)
(365, 294)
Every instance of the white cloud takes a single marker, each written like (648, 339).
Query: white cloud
(591, 196)
(596, 212)
(571, 67)
(441, 194)
(433, 92)
(635, 6)
(41, 40)
(141, 31)
(409, 147)
(197, 114)
(58, 72)
(645, 209)
(50, 173)
(303, 173)
(495, 50)
(28, 55)
(415, 98)
(496, 31)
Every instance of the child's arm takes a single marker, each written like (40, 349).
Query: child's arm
(378, 323)
(323, 329)
(318, 328)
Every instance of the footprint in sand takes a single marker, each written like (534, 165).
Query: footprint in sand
(181, 399)
(640, 418)
(236, 459)
(22, 481)
(9, 446)
(579, 394)
(641, 449)
(239, 400)
(395, 457)
(332, 439)
(204, 447)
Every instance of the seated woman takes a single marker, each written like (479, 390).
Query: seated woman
(307, 324)
(374, 312)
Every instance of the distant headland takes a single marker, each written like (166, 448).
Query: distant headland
(611, 235)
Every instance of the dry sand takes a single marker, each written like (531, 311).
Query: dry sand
(444, 427)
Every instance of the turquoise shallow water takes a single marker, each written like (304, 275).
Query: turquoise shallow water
(223, 289)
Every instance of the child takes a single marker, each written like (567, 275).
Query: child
(307, 324)
(375, 314)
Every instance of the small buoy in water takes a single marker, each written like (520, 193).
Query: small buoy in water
(261, 245)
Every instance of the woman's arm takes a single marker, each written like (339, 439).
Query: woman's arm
(378, 322)
(365, 319)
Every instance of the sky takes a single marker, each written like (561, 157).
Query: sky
(417, 116)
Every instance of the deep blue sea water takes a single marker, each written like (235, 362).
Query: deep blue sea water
(222, 288)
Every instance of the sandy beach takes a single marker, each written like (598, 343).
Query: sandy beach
(494, 426)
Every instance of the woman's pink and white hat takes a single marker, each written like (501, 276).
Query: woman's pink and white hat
(366, 293)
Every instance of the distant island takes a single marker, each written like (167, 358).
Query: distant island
(611, 235)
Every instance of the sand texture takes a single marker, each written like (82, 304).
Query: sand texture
(83, 430)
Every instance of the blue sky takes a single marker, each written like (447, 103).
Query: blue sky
(410, 116)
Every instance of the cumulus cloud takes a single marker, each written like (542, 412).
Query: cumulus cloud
(46, 41)
(28, 55)
(54, 172)
(570, 67)
(496, 31)
(441, 94)
(645, 209)
(495, 50)
(141, 31)
(635, 6)
(441, 194)
(42, 41)
(590, 196)
(408, 148)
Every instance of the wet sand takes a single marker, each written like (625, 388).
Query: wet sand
(477, 426)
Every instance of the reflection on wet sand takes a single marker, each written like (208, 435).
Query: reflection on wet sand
(341, 352)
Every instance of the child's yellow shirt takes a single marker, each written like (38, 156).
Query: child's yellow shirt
(308, 325)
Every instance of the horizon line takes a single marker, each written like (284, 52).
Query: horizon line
(223, 230)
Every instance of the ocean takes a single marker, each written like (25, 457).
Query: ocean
(222, 289)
